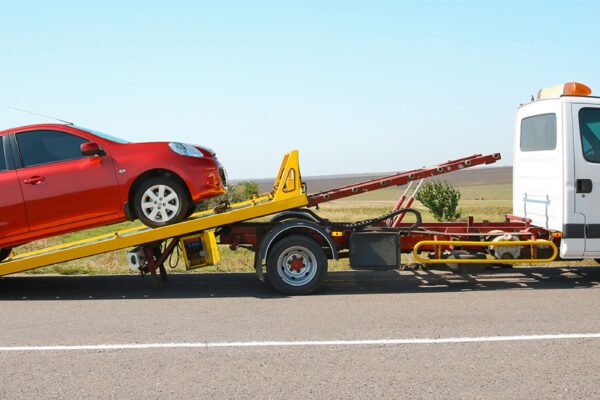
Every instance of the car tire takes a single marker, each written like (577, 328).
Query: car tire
(191, 210)
(161, 201)
(4, 253)
(296, 265)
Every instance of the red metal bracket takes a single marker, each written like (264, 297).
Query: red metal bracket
(401, 178)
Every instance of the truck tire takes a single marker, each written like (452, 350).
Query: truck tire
(466, 268)
(4, 253)
(296, 265)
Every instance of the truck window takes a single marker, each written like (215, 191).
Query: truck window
(538, 133)
(589, 128)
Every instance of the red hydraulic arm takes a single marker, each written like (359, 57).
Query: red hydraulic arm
(401, 178)
(396, 222)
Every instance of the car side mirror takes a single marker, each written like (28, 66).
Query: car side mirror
(91, 149)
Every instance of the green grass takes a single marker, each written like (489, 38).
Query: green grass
(482, 202)
(472, 192)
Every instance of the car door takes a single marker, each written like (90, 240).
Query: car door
(60, 186)
(586, 146)
(13, 218)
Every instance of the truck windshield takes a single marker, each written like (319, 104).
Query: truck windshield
(589, 128)
(104, 135)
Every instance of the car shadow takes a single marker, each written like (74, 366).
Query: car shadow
(210, 285)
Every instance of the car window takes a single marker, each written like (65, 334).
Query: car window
(43, 147)
(2, 158)
(589, 127)
(103, 135)
(538, 133)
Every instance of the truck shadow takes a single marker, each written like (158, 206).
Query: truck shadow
(216, 285)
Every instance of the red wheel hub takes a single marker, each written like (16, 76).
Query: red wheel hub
(297, 264)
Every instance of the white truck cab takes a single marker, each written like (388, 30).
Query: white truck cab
(556, 176)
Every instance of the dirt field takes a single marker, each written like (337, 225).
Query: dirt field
(466, 178)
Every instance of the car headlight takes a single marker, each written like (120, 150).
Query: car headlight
(186, 150)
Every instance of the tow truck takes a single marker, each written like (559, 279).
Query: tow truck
(556, 165)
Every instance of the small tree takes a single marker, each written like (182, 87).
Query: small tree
(245, 190)
(441, 199)
(238, 192)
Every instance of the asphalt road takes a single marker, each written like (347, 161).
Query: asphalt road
(224, 321)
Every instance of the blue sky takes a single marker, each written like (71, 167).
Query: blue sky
(356, 86)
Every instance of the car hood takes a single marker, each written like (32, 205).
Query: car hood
(140, 146)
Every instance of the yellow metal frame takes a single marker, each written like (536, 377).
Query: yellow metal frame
(438, 243)
(287, 194)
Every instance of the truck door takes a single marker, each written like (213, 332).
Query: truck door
(586, 145)
(13, 218)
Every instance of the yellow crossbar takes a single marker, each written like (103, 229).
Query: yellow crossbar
(438, 243)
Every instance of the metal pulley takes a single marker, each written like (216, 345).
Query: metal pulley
(505, 252)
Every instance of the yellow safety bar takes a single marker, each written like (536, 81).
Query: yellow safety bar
(437, 243)
(287, 194)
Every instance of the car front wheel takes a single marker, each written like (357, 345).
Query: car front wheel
(4, 253)
(161, 201)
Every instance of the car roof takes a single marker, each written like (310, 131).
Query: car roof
(35, 127)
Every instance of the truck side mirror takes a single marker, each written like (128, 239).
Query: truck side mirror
(91, 149)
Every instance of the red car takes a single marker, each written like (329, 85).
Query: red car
(58, 178)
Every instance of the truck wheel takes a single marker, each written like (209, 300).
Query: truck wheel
(4, 253)
(296, 265)
(466, 268)
(161, 201)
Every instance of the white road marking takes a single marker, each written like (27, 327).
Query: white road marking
(375, 342)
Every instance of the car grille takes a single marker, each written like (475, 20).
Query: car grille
(223, 175)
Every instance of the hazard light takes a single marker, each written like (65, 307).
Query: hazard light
(564, 89)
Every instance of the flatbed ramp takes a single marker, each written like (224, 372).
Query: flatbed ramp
(287, 194)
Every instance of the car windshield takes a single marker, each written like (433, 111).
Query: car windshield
(104, 135)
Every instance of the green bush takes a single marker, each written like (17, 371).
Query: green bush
(236, 193)
(441, 199)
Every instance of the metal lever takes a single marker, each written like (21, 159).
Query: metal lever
(583, 186)
(34, 180)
